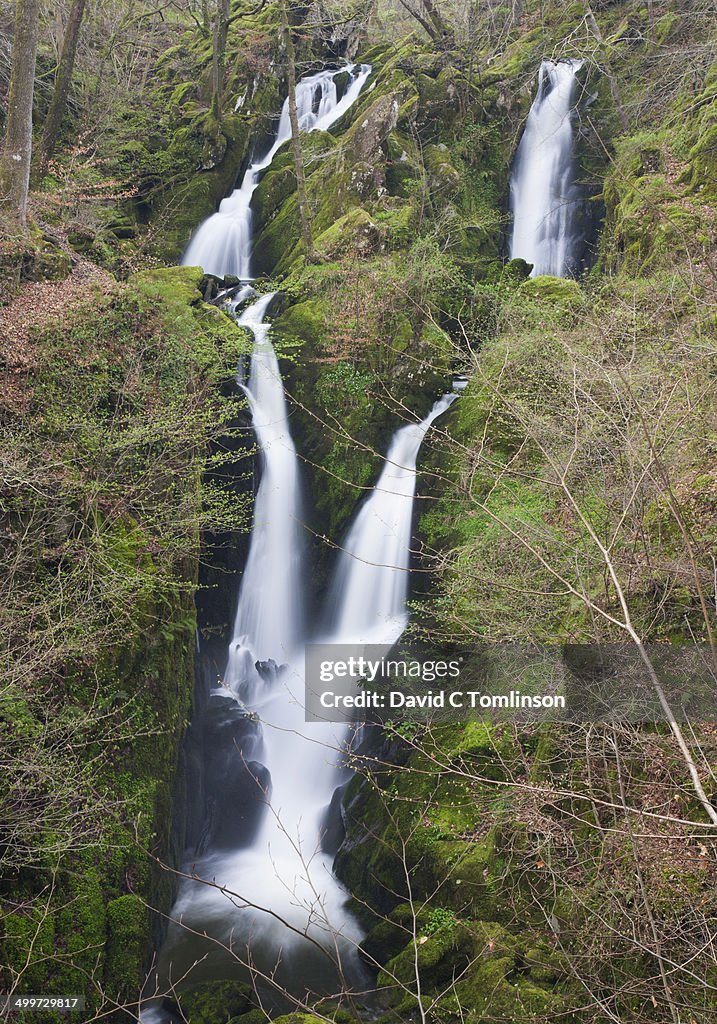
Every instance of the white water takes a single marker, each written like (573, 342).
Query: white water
(369, 592)
(279, 905)
(222, 243)
(268, 618)
(281, 888)
(543, 193)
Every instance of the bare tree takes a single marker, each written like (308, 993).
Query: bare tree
(63, 79)
(429, 18)
(17, 155)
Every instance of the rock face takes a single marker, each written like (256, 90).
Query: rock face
(363, 142)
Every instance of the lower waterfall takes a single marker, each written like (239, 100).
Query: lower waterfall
(267, 907)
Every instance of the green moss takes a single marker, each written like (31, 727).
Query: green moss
(220, 1002)
(127, 942)
(438, 957)
(125, 384)
(28, 940)
(80, 927)
(302, 322)
(355, 233)
(444, 179)
(299, 1018)
(557, 290)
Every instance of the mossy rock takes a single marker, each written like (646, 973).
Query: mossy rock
(303, 322)
(157, 329)
(437, 107)
(499, 984)
(384, 941)
(439, 958)
(561, 291)
(443, 177)
(518, 269)
(484, 970)
(178, 284)
(355, 234)
(474, 880)
(276, 246)
(362, 143)
(50, 263)
(25, 934)
(216, 1002)
(400, 174)
(128, 940)
(30, 257)
(255, 1016)
(274, 189)
(299, 1018)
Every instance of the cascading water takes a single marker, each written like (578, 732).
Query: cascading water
(268, 619)
(370, 588)
(544, 198)
(222, 243)
(280, 909)
(260, 888)
(281, 888)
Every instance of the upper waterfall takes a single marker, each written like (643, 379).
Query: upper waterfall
(222, 243)
(543, 192)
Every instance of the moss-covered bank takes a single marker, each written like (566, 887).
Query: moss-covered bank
(102, 508)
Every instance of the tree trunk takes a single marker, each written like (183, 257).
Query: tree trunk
(62, 86)
(418, 17)
(221, 30)
(17, 155)
(306, 232)
(431, 20)
(440, 29)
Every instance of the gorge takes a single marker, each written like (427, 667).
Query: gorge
(435, 372)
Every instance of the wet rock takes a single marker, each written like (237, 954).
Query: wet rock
(333, 831)
(215, 1002)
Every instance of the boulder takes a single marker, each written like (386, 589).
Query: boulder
(559, 290)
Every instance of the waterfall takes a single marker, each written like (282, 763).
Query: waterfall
(369, 592)
(280, 905)
(222, 244)
(259, 894)
(282, 884)
(268, 618)
(543, 193)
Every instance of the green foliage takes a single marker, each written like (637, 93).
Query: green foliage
(219, 1002)
(439, 919)
(343, 383)
(102, 506)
